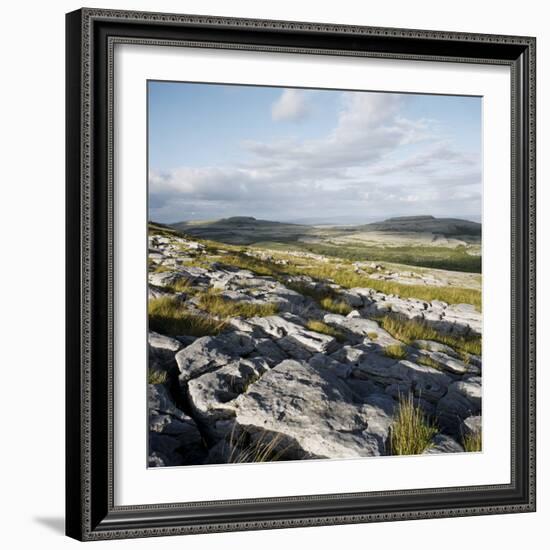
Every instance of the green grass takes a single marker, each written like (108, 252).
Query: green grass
(340, 272)
(395, 351)
(225, 308)
(434, 257)
(411, 433)
(323, 328)
(168, 315)
(157, 376)
(407, 331)
(344, 275)
(472, 442)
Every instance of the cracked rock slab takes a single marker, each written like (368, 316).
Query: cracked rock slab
(310, 413)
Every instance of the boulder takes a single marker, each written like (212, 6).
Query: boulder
(471, 426)
(174, 438)
(308, 412)
(162, 351)
(212, 395)
(210, 352)
(443, 444)
(425, 382)
(463, 399)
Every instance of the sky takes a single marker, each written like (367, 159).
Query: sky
(310, 155)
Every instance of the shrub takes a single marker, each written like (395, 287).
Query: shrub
(410, 433)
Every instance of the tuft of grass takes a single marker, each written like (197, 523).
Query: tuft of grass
(407, 331)
(225, 308)
(181, 285)
(395, 351)
(411, 432)
(372, 335)
(263, 449)
(168, 315)
(157, 376)
(335, 306)
(323, 328)
(472, 442)
(160, 268)
(427, 361)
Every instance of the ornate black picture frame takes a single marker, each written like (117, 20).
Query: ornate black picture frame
(90, 510)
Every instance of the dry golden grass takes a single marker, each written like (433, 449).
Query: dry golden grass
(323, 328)
(472, 442)
(157, 376)
(427, 361)
(411, 432)
(265, 448)
(335, 306)
(395, 351)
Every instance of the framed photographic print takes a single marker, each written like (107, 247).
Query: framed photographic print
(300, 274)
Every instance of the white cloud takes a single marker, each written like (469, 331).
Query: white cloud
(374, 162)
(291, 106)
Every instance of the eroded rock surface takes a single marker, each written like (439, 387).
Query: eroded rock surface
(272, 388)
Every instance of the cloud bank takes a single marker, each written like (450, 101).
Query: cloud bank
(374, 163)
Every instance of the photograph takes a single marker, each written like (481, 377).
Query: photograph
(314, 274)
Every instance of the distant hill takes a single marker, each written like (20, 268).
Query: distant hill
(243, 230)
(425, 224)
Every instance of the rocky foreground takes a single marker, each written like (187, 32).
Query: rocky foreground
(297, 381)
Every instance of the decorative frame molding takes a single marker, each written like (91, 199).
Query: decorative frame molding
(91, 36)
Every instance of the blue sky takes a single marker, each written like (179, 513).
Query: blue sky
(301, 154)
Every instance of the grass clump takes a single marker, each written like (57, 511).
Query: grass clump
(335, 306)
(407, 331)
(323, 328)
(265, 448)
(411, 432)
(181, 285)
(157, 376)
(395, 351)
(168, 315)
(427, 361)
(472, 442)
(225, 308)
(160, 268)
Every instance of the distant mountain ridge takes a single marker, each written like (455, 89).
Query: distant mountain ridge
(249, 230)
(426, 224)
